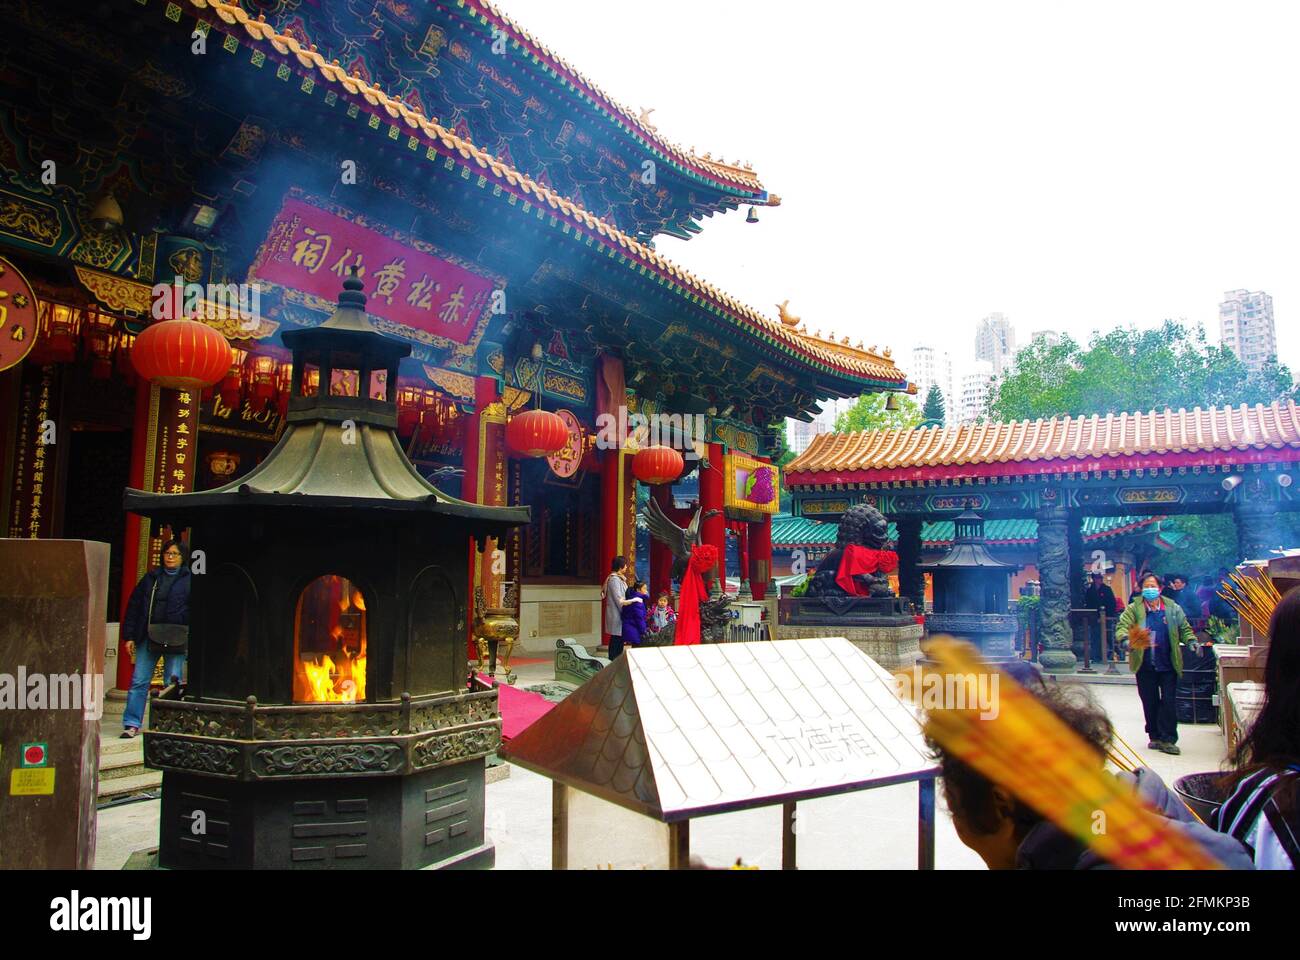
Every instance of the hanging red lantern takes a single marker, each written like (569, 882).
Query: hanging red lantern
(262, 375)
(284, 386)
(232, 383)
(408, 410)
(181, 354)
(536, 433)
(100, 341)
(59, 327)
(125, 369)
(656, 465)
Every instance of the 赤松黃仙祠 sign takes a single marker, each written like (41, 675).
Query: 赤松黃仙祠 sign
(313, 251)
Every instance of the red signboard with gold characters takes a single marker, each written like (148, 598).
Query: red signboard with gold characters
(17, 316)
(312, 250)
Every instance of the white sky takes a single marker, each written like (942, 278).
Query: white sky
(1073, 165)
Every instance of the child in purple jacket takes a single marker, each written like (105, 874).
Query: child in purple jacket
(634, 614)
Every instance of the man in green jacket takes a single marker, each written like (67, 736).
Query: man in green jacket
(1156, 630)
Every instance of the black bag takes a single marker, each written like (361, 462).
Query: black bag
(171, 636)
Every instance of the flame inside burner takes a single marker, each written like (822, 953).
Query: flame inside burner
(330, 643)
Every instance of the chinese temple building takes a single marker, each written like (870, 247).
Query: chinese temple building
(1063, 473)
(237, 161)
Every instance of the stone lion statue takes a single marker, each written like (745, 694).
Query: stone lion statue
(863, 525)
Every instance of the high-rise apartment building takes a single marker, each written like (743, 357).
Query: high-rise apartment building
(1050, 337)
(976, 386)
(932, 367)
(1246, 327)
(995, 342)
(799, 434)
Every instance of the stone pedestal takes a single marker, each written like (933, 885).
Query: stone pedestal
(53, 600)
(895, 646)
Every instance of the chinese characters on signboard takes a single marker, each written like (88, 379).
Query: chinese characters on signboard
(174, 452)
(311, 250)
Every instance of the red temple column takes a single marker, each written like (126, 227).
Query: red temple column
(661, 558)
(164, 454)
(484, 483)
(713, 531)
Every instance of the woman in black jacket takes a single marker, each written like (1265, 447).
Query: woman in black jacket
(162, 597)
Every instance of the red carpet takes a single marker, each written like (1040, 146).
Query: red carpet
(519, 709)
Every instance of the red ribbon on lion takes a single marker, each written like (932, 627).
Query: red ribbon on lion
(703, 558)
(858, 560)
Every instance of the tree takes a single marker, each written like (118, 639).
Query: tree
(1128, 371)
(869, 413)
(1131, 371)
(933, 409)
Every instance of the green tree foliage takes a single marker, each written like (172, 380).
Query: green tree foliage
(869, 413)
(1128, 371)
(933, 409)
(1131, 371)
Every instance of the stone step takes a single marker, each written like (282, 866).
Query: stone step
(111, 743)
(116, 765)
(149, 780)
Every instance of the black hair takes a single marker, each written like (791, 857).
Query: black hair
(637, 584)
(969, 793)
(1151, 575)
(619, 563)
(1273, 740)
(179, 545)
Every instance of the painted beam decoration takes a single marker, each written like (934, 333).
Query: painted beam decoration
(750, 486)
(429, 298)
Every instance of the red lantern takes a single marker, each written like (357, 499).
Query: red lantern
(262, 376)
(408, 410)
(101, 340)
(284, 383)
(656, 465)
(536, 433)
(181, 354)
(125, 368)
(59, 326)
(232, 384)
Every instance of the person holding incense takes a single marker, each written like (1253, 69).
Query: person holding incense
(994, 819)
(1263, 807)
(1156, 630)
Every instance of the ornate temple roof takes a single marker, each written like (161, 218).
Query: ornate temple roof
(867, 369)
(788, 531)
(1123, 441)
(724, 174)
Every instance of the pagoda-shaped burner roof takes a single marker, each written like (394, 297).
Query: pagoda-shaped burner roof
(337, 452)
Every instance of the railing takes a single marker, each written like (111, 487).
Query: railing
(1099, 619)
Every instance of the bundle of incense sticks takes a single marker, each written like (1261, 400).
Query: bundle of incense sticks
(1030, 751)
(1253, 597)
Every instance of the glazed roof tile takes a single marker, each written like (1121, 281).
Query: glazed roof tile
(729, 174)
(1115, 441)
(880, 371)
(788, 531)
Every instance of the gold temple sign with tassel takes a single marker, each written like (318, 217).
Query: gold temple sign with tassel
(1030, 751)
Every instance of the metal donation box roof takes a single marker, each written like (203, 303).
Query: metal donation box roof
(678, 732)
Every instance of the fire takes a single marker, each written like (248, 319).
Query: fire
(325, 681)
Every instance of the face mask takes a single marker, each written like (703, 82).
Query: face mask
(1151, 594)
